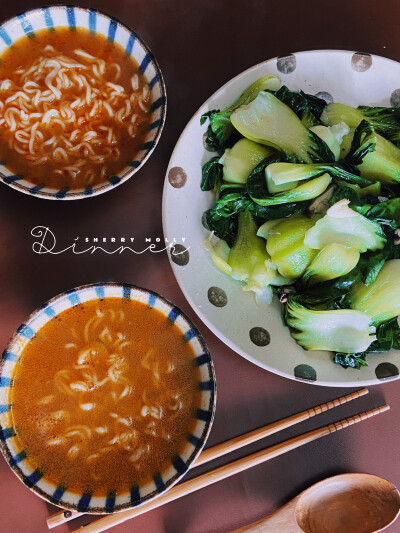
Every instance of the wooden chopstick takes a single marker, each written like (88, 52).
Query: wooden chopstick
(225, 471)
(238, 442)
(253, 436)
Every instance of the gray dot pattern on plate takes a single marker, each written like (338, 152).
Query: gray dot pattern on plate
(177, 177)
(286, 64)
(395, 98)
(325, 96)
(259, 336)
(204, 219)
(386, 370)
(179, 255)
(305, 372)
(217, 297)
(361, 62)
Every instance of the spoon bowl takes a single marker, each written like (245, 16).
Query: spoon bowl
(347, 503)
(357, 503)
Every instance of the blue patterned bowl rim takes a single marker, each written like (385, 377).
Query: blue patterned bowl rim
(35, 479)
(56, 16)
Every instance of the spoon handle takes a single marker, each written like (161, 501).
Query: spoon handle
(282, 520)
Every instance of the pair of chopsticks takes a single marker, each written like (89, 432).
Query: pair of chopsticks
(197, 483)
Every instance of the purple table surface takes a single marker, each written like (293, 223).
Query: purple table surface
(200, 45)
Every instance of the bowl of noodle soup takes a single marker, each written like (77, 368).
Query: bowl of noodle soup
(82, 102)
(107, 396)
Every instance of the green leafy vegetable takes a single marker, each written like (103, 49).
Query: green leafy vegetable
(371, 263)
(387, 337)
(375, 189)
(283, 172)
(344, 192)
(256, 184)
(333, 261)
(307, 191)
(351, 360)
(335, 113)
(389, 209)
(332, 135)
(328, 295)
(315, 104)
(383, 164)
(219, 252)
(273, 188)
(249, 259)
(339, 330)
(229, 188)
(267, 120)
(211, 175)
(220, 128)
(224, 227)
(362, 144)
(222, 219)
(285, 245)
(387, 214)
(306, 106)
(234, 203)
(265, 228)
(239, 161)
(342, 225)
(270, 212)
(381, 299)
(385, 120)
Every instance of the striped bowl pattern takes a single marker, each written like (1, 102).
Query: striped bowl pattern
(17, 457)
(73, 17)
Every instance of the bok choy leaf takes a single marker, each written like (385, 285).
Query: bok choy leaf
(333, 261)
(220, 127)
(381, 299)
(385, 120)
(343, 225)
(339, 330)
(306, 191)
(266, 120)
(285, 245)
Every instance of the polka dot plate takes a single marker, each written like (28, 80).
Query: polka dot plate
(259, 334)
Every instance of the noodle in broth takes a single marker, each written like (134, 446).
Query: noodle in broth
(105, 395)
(74, 109)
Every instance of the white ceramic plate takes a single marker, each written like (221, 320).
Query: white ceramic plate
(259, 335)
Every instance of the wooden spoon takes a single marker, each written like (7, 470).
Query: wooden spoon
(349, 503)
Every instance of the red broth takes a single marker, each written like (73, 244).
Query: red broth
(74, 108)
(105, 395)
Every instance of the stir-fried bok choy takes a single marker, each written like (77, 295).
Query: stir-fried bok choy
(307, 207)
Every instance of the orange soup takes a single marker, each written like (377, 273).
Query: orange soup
(105, 395)
(74, 108)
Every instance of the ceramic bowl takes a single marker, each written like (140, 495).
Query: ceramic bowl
(257, 333)
(18, 459)
(59, 16)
